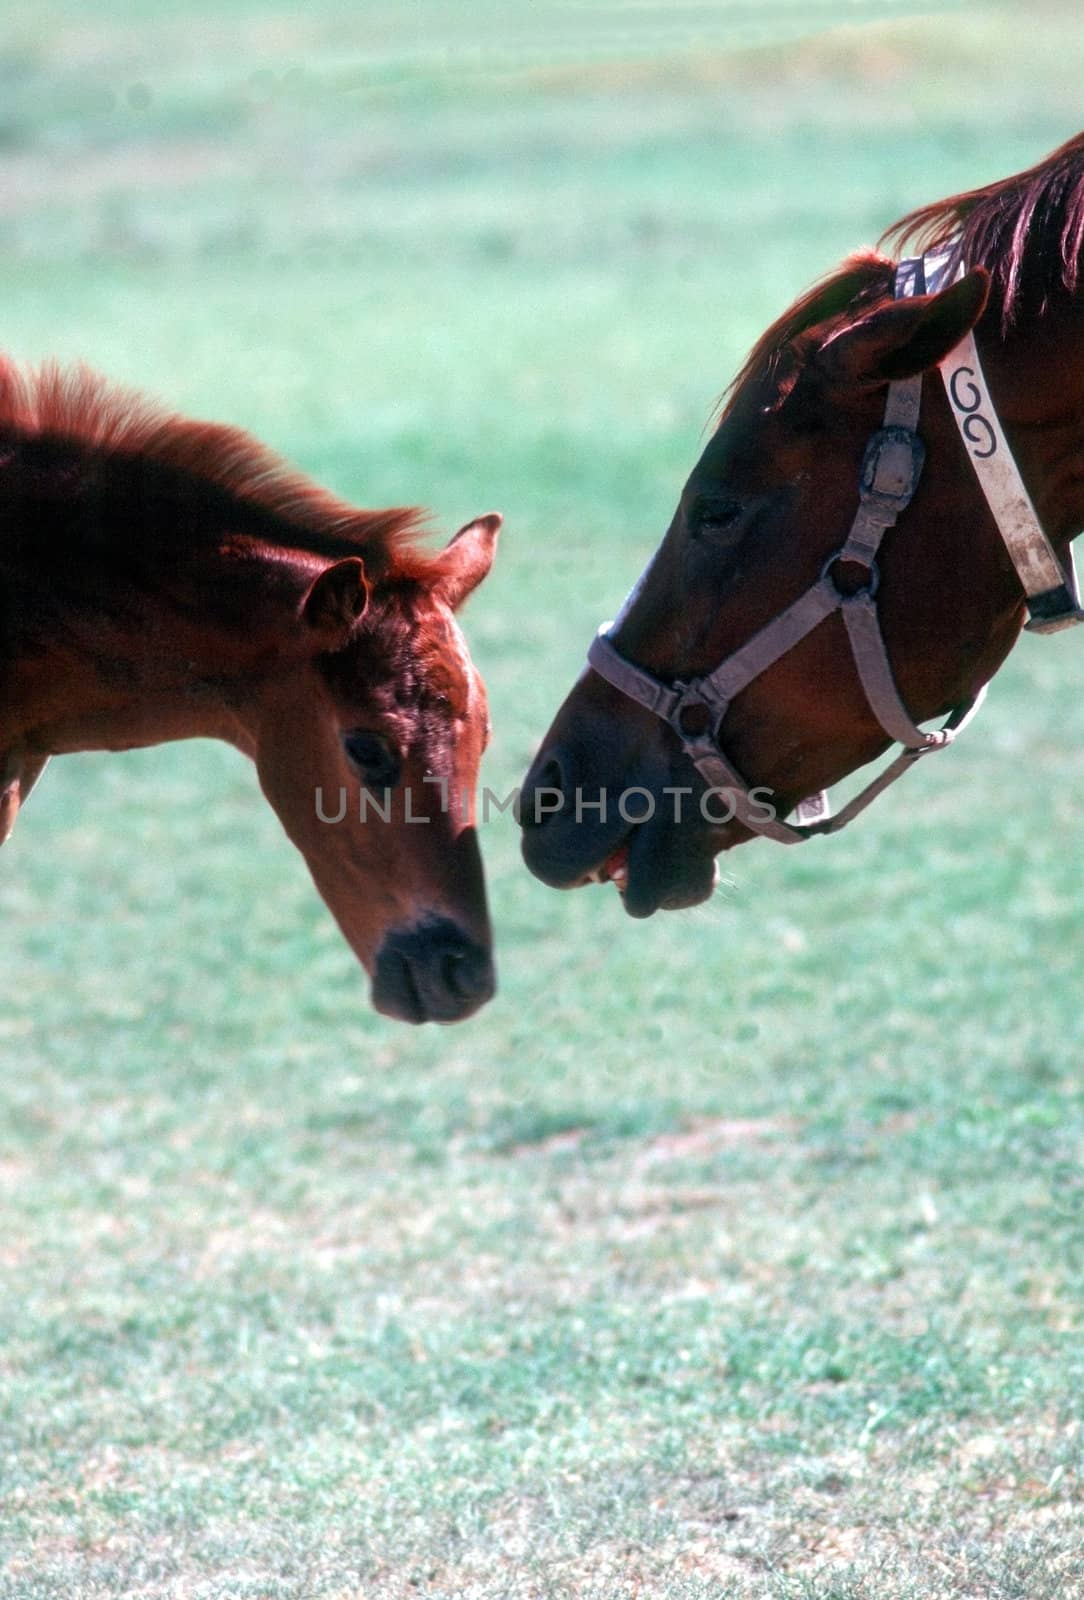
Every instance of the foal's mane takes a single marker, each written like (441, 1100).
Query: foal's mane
(107, 422)
(1027, 231)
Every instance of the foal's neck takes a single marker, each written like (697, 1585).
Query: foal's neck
(119, 630)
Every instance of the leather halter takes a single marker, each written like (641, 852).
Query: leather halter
(891, 468)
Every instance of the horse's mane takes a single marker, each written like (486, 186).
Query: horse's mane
(108, 422)
(862, 279)
(1008, 227)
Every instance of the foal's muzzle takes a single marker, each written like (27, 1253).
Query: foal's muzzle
(432, 972)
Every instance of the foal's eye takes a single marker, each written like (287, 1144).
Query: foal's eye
(373, 758)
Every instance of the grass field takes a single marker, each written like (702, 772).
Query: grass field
(734, 1254)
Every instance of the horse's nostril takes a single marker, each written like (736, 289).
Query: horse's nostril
(552, 776)
(544, 796)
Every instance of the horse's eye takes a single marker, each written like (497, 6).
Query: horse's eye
(373, 758)
(716, 517)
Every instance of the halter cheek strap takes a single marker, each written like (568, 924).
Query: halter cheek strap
(889, 476)
(695, 709)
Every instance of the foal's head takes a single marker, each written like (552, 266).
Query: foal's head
(367, 734)
(166, 578)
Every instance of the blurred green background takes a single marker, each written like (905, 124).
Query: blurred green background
(733, 1254)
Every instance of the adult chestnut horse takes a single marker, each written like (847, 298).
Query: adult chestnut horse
(164, 579)
(775, 643)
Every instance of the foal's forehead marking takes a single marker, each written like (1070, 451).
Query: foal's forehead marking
(458, 645)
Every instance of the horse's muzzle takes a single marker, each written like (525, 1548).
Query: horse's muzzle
(432, 972)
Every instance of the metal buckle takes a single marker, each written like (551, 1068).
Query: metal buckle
(891, 468)
(1055, 608)
(1064, 619)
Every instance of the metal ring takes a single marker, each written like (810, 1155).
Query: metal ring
(694, 702)
(870, 587)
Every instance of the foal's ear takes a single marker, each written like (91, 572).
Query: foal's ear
(905, 337)
(464, 562)
(337, 599)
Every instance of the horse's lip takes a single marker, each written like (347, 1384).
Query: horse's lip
(644, 894)
(615, 868)
(640, 898)
(617, 865)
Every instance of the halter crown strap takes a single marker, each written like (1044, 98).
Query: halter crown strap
(1053, 600)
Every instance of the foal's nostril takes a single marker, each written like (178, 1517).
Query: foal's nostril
(467, 973)
(451, 966)
(432, 972)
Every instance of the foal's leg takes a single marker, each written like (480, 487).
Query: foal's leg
(17, 777)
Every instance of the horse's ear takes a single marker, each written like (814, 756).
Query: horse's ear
(905, 337)
(464, 562)
(337, 598)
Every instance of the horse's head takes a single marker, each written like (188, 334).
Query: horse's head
(612, 792)
(368, 737)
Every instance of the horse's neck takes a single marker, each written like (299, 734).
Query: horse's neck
(1037, 375)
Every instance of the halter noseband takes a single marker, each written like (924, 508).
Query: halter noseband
(891, 468)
